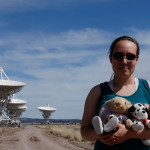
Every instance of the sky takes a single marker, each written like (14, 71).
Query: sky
(59, 48)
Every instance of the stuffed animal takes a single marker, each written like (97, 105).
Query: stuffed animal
(140, 116)
(139, 113)
(111, 113)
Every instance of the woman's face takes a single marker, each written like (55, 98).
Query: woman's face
(124, 58)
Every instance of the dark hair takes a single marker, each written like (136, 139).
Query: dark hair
(128, 38)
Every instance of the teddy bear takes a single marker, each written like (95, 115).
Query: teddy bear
(140, 119)
(113, 111)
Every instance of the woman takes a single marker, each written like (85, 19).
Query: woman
(123, 55)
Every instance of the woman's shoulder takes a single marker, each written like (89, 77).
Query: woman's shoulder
(147, 82)
(96, 90)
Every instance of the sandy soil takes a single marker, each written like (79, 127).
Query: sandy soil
(33, 138)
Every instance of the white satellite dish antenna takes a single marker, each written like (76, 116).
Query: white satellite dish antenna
(46, 112)
(7, 88)
(15, 103)
(14, 114)
(15, 108)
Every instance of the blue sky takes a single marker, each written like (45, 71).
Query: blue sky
(59, 48)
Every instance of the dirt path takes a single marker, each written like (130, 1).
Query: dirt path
(33, 138)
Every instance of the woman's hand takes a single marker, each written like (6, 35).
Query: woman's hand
(107, 139)
(121, 134)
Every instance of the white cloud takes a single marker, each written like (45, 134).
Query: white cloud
(142, 69)
(22, 5)
(45, 41)
(141, 35)
(65, 66)
(10, 6)
(67, 47)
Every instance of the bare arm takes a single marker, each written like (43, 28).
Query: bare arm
(90, 106)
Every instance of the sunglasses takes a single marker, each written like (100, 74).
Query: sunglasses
(120, 56)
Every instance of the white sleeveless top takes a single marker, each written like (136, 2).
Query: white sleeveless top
(110, 83)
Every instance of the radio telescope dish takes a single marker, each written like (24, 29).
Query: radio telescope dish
(15, 103)
(14, 112)
(47, 109)
(46, 112)
(8, 87)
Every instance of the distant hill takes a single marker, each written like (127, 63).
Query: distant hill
(37, 120)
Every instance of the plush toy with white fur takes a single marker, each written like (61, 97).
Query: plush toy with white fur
(111, 113)
(139, 113)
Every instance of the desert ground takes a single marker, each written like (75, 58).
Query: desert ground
(30, 137)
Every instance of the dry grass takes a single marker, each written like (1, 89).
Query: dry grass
(9, 130)
(70, 132)
(67, 131)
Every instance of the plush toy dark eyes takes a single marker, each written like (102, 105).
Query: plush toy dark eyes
(140, 105)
